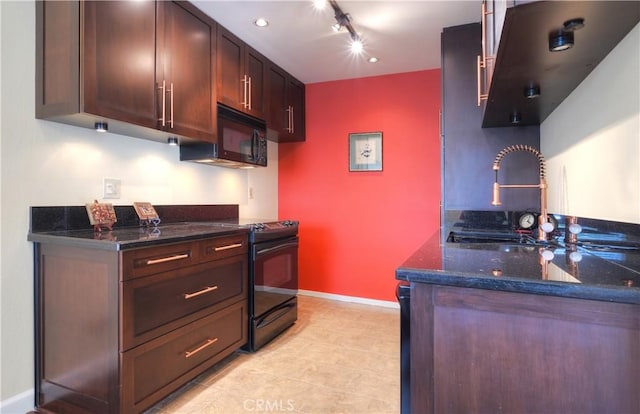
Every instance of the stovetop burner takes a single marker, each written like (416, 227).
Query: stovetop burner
(264, 229)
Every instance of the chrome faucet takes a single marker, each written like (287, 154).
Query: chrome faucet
(544, 226)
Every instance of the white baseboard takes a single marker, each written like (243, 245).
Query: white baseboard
(354, 299)
(18, 404)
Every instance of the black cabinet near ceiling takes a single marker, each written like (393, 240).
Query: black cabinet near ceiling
(468, 150)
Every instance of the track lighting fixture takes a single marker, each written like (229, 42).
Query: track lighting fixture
(344, 20)
(173, 141)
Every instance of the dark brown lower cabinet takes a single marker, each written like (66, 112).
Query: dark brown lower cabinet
(482, 351)
(117, 331)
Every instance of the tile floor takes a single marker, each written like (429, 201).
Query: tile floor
(339, 357)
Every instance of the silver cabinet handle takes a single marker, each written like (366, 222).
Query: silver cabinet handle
(168, 259)
(200, 292)
(249, 94)
(227, 247)
(293, 125)
(163, 89)
(171, 105)
(245, 84)
(290, 119)
(200, 348)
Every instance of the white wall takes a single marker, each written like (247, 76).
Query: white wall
(45, 163)
(592, 141)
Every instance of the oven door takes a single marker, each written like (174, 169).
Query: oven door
(275, 275)
(275, 286)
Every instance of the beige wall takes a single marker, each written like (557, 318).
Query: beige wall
(592, 141)
(46, 163)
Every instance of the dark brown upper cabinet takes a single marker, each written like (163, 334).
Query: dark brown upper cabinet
(131, 63)
(241, 79)
(286, 115)
(186, 65)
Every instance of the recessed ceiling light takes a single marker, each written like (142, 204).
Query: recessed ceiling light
(261, 22)
(373, 59)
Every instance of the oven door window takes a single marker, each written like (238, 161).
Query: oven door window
(275, 273)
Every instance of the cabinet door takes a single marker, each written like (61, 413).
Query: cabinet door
(120, 60)
(230, 74)
(257, 72)
(295, 92)
(277, 115)
(187, 57)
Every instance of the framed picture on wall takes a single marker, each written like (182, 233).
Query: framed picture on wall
(365, 151)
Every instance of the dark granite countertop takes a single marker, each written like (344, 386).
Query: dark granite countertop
(611, 275)
(122, 238)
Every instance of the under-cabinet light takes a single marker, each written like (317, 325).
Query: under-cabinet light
(101, 126)
(560, 40)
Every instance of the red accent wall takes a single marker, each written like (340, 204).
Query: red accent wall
(356, 228)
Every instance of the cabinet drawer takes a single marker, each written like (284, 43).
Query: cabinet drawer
(218, 248)
(147, 261)
(153, 370)
(160, 303)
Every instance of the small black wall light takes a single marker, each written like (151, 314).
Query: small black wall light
(173, 141)
(101, 126)
(515, 118)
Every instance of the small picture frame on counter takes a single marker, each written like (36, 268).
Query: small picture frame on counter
(146, 213)
(365, 151)
(101, 215)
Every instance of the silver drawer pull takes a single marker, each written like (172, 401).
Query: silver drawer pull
(200, 348)
(227, 247)
(167, 259)
(200, 292)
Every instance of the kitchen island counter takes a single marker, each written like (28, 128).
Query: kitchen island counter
(498, 327)
(611, 275)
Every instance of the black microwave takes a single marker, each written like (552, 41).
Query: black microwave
(242, 142)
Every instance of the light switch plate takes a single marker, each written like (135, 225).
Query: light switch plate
(110, 188)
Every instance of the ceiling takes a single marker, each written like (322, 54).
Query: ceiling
(404, 35)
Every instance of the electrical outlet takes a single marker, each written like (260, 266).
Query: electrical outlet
(110, 188)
